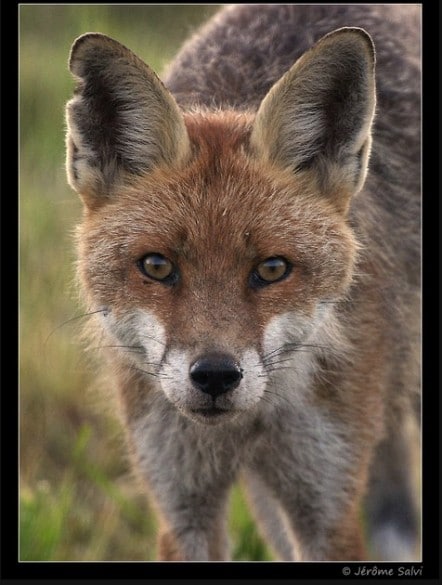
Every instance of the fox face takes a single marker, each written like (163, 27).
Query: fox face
(214, 244)
(211, 275)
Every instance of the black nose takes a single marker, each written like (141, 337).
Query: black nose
(215, 374)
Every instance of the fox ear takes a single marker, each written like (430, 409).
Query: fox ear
(121, 120)
(318, 116)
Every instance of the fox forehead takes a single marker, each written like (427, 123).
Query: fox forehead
(215, 218)
(222, 199)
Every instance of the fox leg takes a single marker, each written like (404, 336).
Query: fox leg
(391, 508)
(318, 477)
(270, 517)
(338, 540)
(200, 539)
(188, 478)
(321, 533)
(192, 518)
(193, 525)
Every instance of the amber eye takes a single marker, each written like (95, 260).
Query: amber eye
(158, 267)
(271, 270)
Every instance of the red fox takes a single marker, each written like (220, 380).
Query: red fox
(250, 249)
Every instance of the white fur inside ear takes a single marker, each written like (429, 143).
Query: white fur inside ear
(319, 114)
(121, 120)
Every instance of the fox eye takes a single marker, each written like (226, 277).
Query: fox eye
(271, 270)
(158, 267)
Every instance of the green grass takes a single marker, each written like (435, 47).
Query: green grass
(79, 500)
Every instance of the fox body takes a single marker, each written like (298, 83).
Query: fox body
(255, 289)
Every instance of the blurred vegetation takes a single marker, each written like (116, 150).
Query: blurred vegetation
(78, 498)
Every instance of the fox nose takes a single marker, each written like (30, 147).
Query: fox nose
(215, 374)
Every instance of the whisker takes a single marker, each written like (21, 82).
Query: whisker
(156, 364)
(295, 347)
(280, 368)
(155, 375)
(276, 362)
(279, 396)
(72, 319)
(267, 400)
(286, 348)
(133, 348)
(145, 336)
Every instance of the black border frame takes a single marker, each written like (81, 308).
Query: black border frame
(265, 573)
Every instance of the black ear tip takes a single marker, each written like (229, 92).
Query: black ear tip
(85, 43)
(353, 36)
(86, 39)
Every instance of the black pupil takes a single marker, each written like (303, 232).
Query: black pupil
(157, 266)
(157, 263)
(274, 265)
(273, 268)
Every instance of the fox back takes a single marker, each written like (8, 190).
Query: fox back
(250, 251)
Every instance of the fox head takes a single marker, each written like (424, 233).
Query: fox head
(214, 244)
